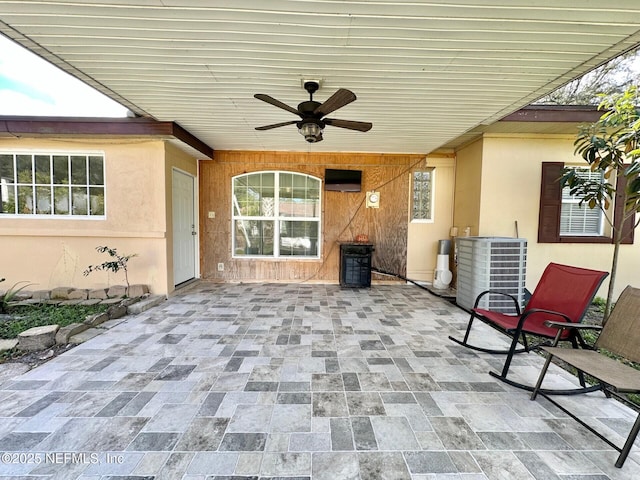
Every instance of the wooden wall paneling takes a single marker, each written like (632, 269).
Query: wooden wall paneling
(389, 222)
(344, 214)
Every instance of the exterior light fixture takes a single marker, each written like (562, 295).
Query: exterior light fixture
(311, 131)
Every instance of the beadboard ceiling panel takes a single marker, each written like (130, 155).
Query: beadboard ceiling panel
(424, 72)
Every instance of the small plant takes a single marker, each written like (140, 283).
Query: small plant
(29, 316)
(118, 263)
(10, 294)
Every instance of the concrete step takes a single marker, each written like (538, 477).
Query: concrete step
(146, 304)
(85, 335)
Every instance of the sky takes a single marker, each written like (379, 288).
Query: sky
(30, 85)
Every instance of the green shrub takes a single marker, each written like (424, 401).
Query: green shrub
(10, 294)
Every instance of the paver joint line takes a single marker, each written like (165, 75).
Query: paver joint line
(296, 381)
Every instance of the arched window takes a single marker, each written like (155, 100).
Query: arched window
(276, 214)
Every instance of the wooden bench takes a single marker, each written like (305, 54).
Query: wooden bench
(620, 336)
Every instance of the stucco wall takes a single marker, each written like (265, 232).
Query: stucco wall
(510, 192)
(55, 252)
(468, 188)
(422, 242)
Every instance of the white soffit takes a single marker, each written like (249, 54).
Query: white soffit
(424, 72)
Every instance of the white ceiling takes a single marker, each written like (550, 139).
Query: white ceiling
(424, 71)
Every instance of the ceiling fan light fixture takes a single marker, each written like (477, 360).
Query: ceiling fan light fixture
(311, 131)
(312, 113)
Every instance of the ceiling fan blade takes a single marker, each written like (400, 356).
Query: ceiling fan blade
(349, 124)
(276, 103)
(276, 125)
(338, 100)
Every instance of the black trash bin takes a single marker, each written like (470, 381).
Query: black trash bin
(355, 264)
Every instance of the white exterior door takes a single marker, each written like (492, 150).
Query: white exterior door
(184, 227)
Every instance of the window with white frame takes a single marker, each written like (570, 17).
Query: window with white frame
(52, 184)
(422, 195)
(580, 220)
(276, 214)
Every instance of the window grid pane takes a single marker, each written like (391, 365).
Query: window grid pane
(298, 238)
(24, 169)
(61, 170)
(43, 200)
(7, 184)
(579, 220)
(43, 169)
(254, 237)
(96, 201)
(96, 171)
(61, 200)
(25, 200)
(7, 169)
(41, 184)
(299, 196)
(8, 197)
(79, 201)
(79, 170)
(254, 195)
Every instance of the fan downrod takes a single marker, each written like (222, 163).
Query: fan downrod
(312, 87)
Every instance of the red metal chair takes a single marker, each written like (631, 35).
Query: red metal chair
(563, 293)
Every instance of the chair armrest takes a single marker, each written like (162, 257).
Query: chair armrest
(561, 326)
(577, 326)
(496, 292)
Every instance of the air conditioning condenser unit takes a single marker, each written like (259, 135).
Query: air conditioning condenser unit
(491, 263)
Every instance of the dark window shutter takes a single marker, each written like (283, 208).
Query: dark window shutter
(550, 203)
(618, 212)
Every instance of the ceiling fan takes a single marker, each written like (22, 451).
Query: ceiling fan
(312, 113)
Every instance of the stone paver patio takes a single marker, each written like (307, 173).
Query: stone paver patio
(273, 381)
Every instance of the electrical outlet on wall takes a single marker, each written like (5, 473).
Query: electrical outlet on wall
(221, 267)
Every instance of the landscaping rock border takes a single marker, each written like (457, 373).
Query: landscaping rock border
(119, 307)
(37, 338)
(90, 297)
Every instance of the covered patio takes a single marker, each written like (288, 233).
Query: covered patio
(298, 381)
